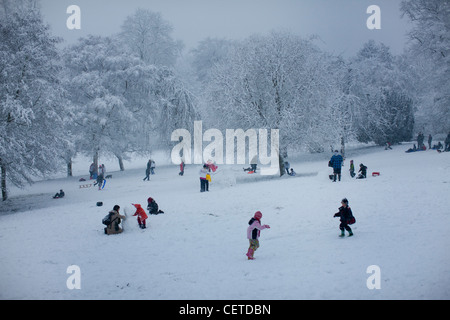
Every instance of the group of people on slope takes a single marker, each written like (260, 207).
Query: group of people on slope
(337, 161)
(114, 218)
(97, 174)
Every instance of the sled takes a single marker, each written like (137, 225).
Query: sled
(250, 172)
(375, 174)
(85, 185)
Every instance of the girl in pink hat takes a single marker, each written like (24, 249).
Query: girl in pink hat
(253, 232)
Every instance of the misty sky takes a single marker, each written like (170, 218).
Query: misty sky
(340, 24)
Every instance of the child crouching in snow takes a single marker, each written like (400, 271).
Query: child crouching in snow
(142, 216)
(253, 232)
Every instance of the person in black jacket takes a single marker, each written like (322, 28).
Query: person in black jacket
(345, 213)
(362, 172)
(152, 206)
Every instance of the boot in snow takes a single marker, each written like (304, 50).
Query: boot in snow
(342, 234)
(350, 233)
(250, 254)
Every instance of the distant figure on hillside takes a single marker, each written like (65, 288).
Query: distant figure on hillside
(181, 168)
(438, 146)
(430, 139)
(447, 143)
(59, 195)
(93, 171)
(287, 166)
(420, 138)
(204, 183)
(292, 173)
(147, 171)
(152, 166)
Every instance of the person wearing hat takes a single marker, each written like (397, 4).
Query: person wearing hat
(141, 215)
(336, 162)
(253, 233)
(115, 216)
(345, 213)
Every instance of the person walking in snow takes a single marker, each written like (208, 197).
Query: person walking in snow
(253, 233)
(346, 216)
(100, 176)
(141, 215)
(147, 171)
(336, 162)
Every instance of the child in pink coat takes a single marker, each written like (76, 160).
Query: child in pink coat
(253, 232)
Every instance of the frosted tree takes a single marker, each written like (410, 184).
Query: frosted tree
(209, 53)
(148, 36)
(278, 81)
(430, 42)
(97, 87)
(31, 97)
(385, 111)
(124, 104)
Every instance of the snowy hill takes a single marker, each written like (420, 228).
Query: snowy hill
(196, 250)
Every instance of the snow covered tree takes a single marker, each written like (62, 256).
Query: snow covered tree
(278, 81)
(96, 87)
(147, 35)
(430, 42)
(124, 104)
(384, 111)
(208, 53)
(31, 96)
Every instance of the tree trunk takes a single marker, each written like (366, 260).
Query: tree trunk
(122, 167)
(69, 168)
(3, 181)
(95, 159)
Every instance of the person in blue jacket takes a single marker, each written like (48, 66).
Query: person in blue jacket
(336, 162)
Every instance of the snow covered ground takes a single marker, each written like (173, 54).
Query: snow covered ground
(196, 250)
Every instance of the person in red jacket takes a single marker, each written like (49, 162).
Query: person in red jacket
(142, 216)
